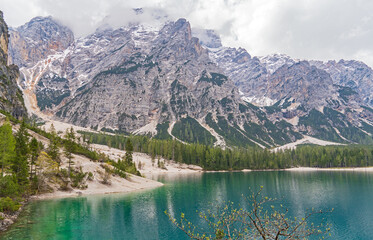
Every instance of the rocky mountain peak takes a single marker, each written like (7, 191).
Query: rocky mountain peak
(301, 81)
(351, 73)
(182, 26)
(177, 36)
(37, 39)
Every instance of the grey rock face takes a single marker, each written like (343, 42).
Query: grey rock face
(354, 74)
(175, 79)
(127, 78)
(11, 99)
(294, 89)
(305, 83)
(37, 39)
(248, 73)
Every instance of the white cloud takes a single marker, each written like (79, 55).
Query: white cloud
(309, 29)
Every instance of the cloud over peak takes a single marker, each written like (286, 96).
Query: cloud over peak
(317, 29)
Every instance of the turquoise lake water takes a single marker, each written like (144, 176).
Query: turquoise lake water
(141, 215)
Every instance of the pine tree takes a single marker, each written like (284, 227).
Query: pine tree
(129, 150)
(54, 143)
(34, 152)
(69, 147)
(7, 146)
(20, 162)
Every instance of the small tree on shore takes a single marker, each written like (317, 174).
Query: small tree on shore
(54, 144)
(262, 220)
(69, 147)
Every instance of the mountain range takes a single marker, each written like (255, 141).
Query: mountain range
(173, 81)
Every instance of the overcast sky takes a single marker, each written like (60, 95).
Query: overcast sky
(306, 29)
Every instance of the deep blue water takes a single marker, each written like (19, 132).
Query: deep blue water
(141, 215)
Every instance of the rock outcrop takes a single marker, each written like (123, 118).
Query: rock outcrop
(11, 99)
(36, 40)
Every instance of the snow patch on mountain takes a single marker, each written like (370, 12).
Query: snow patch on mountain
(275, 61)
(259, 101)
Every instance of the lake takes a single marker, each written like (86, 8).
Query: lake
(140, 215)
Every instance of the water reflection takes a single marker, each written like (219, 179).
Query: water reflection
(140, 215)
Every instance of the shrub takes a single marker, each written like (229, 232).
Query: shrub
(8, 205)
(77, 177)
(8, 187)
(90, 176)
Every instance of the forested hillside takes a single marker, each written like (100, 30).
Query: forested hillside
(214, 158)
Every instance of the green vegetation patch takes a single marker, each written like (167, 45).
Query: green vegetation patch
(367, 127)
(215, 79)
(162, 131)
(345, 92)
(232, 136)
(47, 98)
(346, 129)
(189, 130)
(320, 126)
(213, 158)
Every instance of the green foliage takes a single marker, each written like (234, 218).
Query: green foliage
(54, 144)
(189, 130)
(211, 158)
(34, 153)
(214, 78)
(321, 127)
(367, 108)
(9, 186)
(9, 116)
(121, 167)
(162, 132)
(77, 177)
(7, 146)
(345, 92)
(8, 205)
(324, 126)
(18, 156)
(345, 128)
(69, 146)
(272, 109)
(280, 131)
(367, 127)
(20, 162)
(84, 151)
(231, 134)
(47, 98)
(269, 133)
(129, 150)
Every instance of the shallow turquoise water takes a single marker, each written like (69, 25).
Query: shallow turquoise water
(140, 215)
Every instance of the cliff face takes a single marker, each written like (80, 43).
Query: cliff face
(352, 74)
(11, 99)
(37, 39)
(330, 100)
(172, 79)
(139, 77)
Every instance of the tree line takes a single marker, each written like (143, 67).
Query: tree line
(215, 158)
